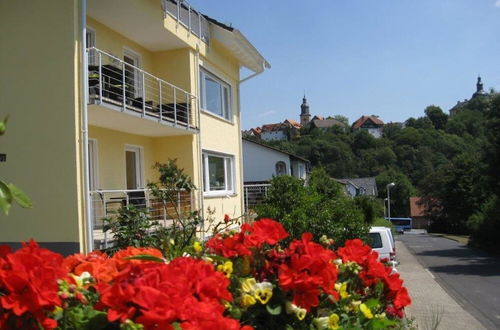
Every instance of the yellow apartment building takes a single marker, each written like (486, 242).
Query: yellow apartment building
(98, 91)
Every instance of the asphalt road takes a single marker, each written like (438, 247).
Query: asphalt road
(470, 276)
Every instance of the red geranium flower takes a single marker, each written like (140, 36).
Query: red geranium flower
(28, 278)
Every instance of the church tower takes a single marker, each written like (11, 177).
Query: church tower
(305, 116)
(479, 88)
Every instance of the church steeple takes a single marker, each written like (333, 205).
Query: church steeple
(305, 116)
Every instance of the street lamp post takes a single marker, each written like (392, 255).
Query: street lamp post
(392, 184)
(385, 210)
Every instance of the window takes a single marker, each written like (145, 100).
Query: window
(376, 240)
(301, 171)
(215, 95)
(90, 42)
(280, 168)
(218, 174)
(133, 78)
(133, 167)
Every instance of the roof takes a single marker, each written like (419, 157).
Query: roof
(293, 123)
(238, 44)
(318, 117)
(271, 127)
(368, 184)
(363, 119)
(416, 208)
(276, 149)
(326, 123)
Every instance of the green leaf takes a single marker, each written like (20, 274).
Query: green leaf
(273, 310)
(5, 197)
(145, 257)
(20, 197)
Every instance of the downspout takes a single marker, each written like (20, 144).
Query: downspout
(200, 156)
(89, 244)
(239, 135)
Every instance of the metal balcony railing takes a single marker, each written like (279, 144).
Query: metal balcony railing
(127, 88)
(106, 203)
(254, 194)
(193, 20)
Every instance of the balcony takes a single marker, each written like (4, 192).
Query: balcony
(122, 87)
(192, 20)
(105, 204)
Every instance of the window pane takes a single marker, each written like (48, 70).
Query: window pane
(226, 103)
(216, 173)
(131, 169)
(229, 176)
(213, 96)
(376, 240)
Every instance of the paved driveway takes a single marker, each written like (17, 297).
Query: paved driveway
(470, 276)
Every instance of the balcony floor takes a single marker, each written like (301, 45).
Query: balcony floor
(131, 120)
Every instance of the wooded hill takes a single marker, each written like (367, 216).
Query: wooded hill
(451, 161)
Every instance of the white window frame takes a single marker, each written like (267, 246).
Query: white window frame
(137, 74)
(93, 165)
(227, 112)
(139, 166)
(229, 174)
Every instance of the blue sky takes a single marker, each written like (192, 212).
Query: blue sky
(390, 58)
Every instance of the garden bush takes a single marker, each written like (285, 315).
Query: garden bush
(320, 208)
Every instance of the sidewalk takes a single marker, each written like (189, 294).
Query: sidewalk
(429, 300)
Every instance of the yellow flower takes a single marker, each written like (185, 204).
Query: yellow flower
(300, 313)
(263, 292)
(248, 284)
(197, 247)
(80, 280)
(366, 311)
(333, 321)
(226, 268)
(342, 290)
(247, 300)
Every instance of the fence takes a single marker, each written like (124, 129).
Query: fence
(128, 88)
(106, 203)
(254, 194)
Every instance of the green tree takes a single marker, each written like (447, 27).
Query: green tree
(436, 116)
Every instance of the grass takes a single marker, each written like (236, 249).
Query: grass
(464, 239)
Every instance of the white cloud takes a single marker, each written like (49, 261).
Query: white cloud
(271, 112)
(497, 4)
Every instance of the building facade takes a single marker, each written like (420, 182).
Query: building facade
(115, 87)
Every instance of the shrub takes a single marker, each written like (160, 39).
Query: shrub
(319, 208)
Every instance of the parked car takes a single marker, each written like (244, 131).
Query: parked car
(382, 241)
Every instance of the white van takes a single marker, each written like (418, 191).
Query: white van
(383, 242)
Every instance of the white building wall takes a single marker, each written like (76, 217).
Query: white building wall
(299, 169)
(259, 162)
(274, 135)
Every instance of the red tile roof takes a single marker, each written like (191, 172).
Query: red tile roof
(358, 123)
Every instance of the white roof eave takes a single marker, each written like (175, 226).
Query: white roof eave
(242, 49)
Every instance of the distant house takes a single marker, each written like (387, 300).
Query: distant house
(371, 124)
(418, 213)
(262, 162)
(359, 186)
(280, 131)
(325, 123)
(252, 132)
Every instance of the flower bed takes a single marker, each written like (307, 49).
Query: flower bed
(241, 280)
